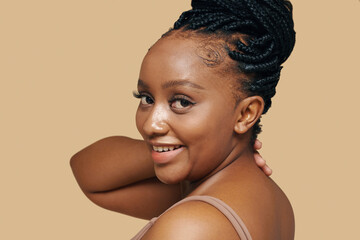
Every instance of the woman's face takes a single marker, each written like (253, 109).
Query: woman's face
(186, 112)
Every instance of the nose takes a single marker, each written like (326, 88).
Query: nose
(156, 122)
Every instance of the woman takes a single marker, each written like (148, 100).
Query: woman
(202, 88)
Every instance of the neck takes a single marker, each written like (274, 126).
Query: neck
(241, 157)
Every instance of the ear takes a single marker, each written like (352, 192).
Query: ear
(249, 111)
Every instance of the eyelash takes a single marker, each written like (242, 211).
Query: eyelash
(141, 95)
(171, 101)
(180, 99)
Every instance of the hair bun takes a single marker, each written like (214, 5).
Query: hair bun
(253, 17)
(270, 28)
(203, 4)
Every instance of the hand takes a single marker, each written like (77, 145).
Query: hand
(259, 160)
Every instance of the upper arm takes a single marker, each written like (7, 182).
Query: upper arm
(145, 199)
(193, 220)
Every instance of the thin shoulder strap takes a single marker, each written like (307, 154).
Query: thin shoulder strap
(225, 209)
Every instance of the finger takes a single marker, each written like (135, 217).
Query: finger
(267, 170)
(257, 145)
(259, 160)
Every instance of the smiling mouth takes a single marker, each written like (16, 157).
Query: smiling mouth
(161, 149)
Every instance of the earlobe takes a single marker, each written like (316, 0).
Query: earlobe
(249, 111)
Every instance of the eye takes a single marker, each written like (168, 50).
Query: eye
(144, 98)
(181, 103)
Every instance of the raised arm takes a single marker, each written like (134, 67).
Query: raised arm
(117, 173)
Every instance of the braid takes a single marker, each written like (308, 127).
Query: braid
(269, 28)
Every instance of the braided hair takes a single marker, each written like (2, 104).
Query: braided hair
(269, 28)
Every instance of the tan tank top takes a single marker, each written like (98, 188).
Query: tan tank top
(225, 209)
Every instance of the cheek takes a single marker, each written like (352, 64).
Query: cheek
(206, 125)
(192, 126)
(208, 138)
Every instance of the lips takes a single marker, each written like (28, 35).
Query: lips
(164, 154)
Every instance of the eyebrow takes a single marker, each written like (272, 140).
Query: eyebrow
(141, 83)
(173, 83)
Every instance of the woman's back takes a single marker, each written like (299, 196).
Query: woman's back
(263, 209)
(257, 199)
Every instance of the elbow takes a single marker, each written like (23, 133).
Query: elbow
(74, 163)
(85, 176)
(76, 167)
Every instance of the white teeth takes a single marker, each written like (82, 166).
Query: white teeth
(165, 148)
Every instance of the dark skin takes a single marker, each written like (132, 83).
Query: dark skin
(185, 106)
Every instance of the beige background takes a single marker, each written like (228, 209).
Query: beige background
(67, 70)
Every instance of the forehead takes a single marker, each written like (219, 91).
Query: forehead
(171, 52)
(181, 58)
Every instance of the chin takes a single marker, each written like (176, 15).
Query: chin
(169, 177)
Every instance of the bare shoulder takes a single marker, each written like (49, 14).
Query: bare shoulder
(192, 220)
(264, 208)
(258, 201)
